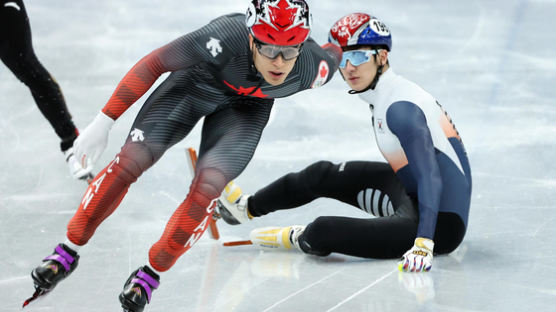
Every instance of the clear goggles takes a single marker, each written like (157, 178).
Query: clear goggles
(356, 57)
(272, 51)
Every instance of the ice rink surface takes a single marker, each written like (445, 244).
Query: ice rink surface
(490, 63)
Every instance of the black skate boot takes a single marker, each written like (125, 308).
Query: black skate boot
(54, 268)
(138, 289)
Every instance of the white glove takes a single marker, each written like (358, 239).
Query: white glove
(75, 168)
(418, 258)
(90, 143)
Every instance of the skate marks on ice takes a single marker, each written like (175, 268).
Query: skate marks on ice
(288, 297)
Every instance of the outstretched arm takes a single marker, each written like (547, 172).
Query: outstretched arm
(135, 84)
(178, 54)
(407, 121)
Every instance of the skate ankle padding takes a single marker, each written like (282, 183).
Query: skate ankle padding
(63, 257)
(146, 281)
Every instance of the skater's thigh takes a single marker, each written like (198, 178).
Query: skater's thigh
(170, 113)
(231, 135)
(370, 186)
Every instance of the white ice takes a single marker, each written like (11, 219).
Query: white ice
(490, 63)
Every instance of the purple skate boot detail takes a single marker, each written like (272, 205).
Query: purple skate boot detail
(138, 289)
(53, 269)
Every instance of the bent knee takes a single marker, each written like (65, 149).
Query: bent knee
(315, 176)
(210, 182)
(320, 167)
(450, 231)
(135, 158)
(314, 238)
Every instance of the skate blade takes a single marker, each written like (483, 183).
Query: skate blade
(128, 306)
(38, 293)
(129, 309)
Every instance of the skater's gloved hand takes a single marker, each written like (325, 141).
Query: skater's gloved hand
(418, 258)
(75, 168)
(90, 144)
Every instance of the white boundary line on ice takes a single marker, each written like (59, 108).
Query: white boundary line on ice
(301, 290)
(362, 290)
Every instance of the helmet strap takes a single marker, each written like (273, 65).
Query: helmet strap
(252, 67)
(373, 83)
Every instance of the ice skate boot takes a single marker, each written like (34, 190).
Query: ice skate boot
(54, 268)
(138, 289)
(232, 205)
(277, 238)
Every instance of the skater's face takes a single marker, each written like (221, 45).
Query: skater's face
(274, 70)
(358, 67)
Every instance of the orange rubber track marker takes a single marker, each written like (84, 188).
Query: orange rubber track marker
(238, 243)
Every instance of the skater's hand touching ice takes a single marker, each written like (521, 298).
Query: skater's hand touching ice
(419, 257)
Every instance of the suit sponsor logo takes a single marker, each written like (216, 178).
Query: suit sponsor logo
(137, 135)
(13, 5)
(214, 47)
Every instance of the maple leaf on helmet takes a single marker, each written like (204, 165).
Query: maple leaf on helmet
(279, 22)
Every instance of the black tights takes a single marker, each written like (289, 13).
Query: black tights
(16, 51)
(370, 186)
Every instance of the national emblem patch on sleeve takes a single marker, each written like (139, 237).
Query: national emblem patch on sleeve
(322, 74)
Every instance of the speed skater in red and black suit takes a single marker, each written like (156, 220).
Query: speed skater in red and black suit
(229, 72)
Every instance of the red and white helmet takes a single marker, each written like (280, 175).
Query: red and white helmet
(279, 22)
(360, 29)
